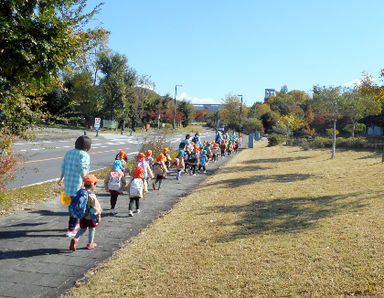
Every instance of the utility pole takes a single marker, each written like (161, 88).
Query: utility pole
(174, 109)
(241, 111)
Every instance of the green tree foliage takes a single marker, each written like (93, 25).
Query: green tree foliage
(230, 111)
(269, 119)
(115, 85)
(359, 105)
(251, 125)
(187, 110)
(38, 39)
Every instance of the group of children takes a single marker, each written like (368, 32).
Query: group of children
(192, 156)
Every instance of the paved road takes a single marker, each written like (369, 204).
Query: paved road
(34, 257)
(44, 156)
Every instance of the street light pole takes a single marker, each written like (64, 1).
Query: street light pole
(174, 108)
(241, 112)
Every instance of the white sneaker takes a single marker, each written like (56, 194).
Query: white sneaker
(137, 211)
(113, 211)
(130, 213)
(71, 233)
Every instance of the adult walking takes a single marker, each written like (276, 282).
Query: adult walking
(186, 142)
(74, 168)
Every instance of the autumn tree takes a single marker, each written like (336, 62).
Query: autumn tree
(290, 122)
(329, 102)
(230, 111)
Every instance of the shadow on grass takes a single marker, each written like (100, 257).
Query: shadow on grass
(281, 216)
(372, 155)
(243, 169)
(275, 160)
(284, 178)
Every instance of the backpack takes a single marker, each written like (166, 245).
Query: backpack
(192, 157)
(141, 164)
(79, 204)
(114, 180)
(136, 188)
(202, 160)
(158, 169)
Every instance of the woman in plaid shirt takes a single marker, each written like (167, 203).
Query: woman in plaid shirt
(74, 167)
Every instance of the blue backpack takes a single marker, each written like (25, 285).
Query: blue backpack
(202, 160)
(79, 204)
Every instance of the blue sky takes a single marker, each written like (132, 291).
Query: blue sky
(215, 48)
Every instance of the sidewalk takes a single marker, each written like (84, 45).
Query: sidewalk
(35, 260)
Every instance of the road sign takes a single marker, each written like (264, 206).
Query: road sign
(97, 123)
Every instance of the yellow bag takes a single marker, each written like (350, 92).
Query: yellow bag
(65, 200)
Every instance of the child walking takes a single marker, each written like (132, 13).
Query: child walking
(141, 162)
(93, 216)
(149, 158)
(179, 163)
(114, 183)
(203, 161)
(193, 160)
(159, 170)
(168, 158)
(136, 190)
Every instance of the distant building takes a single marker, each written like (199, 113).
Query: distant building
(373, 130)
(210, 107)
(269, 93)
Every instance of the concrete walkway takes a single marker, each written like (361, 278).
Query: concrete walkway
(35, 260)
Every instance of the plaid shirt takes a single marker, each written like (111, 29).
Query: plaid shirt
(75, 164)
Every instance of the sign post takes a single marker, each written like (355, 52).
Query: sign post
(97, 125)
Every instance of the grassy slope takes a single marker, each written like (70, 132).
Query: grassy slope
(274, 221)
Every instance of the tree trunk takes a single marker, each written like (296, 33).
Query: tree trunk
(382, 156)
(286, 137)
(353, 128)
(334, 140)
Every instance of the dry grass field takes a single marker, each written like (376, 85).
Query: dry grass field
(273, 222)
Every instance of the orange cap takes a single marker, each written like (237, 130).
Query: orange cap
(148, 153)
(138, 173)
(141, 156)
(166, 150)
(122, 154)
(90, 179)
(161, 157)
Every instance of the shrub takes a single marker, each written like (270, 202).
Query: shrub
(156, 143)
(320, 142)
(275, 139)
(351, 142)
